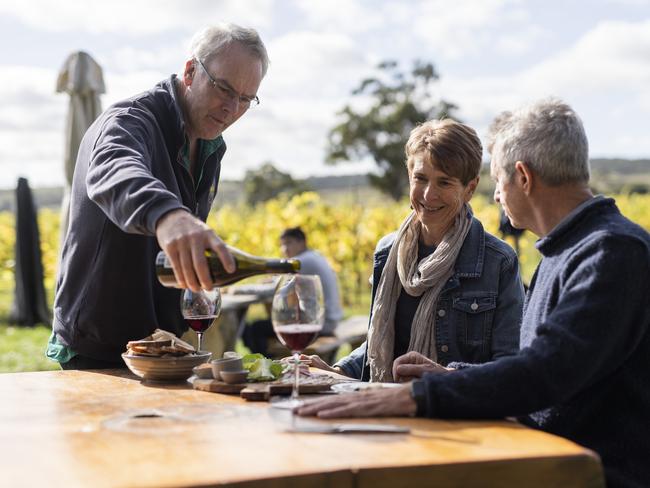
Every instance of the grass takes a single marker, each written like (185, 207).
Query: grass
(23, 349)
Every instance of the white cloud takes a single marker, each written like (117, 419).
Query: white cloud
(315, 63)
(309, 81)
(139, 17)
(320, 50)
(32, 103)
(34, 154)
(344, 15)
(469, 25)
(127, 59)
(631, 3)
(611, 58)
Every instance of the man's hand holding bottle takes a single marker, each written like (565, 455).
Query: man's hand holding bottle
(184, 240)
(194, 257)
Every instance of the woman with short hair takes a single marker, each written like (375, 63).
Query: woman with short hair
(441, 285)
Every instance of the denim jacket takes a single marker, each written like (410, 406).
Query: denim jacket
(478, 310)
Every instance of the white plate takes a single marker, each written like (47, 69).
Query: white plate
(362, 385)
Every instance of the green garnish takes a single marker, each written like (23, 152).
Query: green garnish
(261, 368)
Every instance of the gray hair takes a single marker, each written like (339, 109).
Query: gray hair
(547, 135)
(213, 40)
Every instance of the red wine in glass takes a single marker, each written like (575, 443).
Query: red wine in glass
(297, 336)
(199, 324)
(297, 314)
(200, 309)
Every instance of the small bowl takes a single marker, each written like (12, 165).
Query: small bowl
(233, 377)
(203, 371)
(225, 364)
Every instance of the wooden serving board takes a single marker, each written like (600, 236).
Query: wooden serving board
(257, 391)
(264, 391)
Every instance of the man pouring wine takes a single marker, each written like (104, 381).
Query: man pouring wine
(146, 175)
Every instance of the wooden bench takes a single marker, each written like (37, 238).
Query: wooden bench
(352, 330)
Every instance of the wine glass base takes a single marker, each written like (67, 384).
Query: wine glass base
(286, 403)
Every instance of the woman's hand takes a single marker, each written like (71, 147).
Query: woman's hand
(315, 361)
(312, 361)
(413, 365)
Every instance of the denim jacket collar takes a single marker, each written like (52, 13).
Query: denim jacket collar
(469, 263)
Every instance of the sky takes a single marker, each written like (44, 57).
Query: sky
(491, 55)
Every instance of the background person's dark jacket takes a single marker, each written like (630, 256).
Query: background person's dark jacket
(128, 174)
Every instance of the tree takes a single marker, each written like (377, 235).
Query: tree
(398, 103)
(267, 182)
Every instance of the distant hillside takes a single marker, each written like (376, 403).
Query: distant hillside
(620, 175)
(608, 176)
(229, 191)
(355, 187)
(43, 197)
(623, 166)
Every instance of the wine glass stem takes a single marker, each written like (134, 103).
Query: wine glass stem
(199, 340)
(296, 368)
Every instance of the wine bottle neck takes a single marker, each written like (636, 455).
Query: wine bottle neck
(282, 265)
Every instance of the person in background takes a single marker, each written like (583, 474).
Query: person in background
(441, 285)
(293, 244)
(146, 175)
(582, 371)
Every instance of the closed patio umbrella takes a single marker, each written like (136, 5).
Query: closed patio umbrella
(30, 305)
(80, 77)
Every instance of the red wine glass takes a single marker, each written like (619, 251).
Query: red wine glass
(200, 309)
(297, 314)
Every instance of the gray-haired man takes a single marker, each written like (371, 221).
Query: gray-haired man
(582, 371)
(146, 175)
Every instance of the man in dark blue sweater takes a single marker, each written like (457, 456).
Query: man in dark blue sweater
(582, 371)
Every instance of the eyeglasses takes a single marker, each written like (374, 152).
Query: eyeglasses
(225, 91)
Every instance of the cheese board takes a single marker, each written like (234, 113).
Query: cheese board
(263, 391)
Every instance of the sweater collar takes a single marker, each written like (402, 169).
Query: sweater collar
(169, 114)
(547, 244)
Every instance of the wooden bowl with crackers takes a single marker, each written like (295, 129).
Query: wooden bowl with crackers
(163, 357)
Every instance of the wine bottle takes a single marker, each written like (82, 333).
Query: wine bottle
(246, 265)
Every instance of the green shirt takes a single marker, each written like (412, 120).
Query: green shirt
(58, 352)
(206, 148)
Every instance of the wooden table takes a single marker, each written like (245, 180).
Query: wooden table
(76, 429)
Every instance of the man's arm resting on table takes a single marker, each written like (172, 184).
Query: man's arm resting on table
(387, 402)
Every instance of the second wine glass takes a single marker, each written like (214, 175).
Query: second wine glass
(200, 309)
(297, 314)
